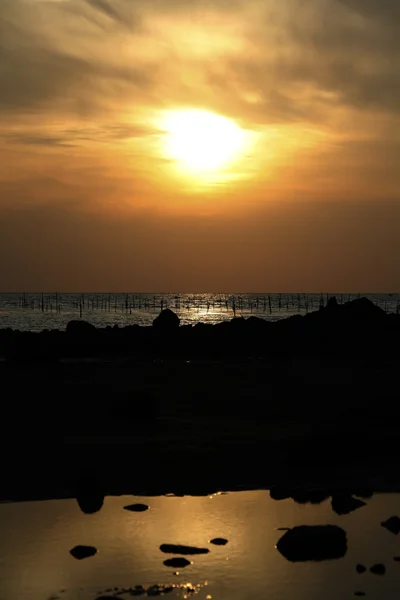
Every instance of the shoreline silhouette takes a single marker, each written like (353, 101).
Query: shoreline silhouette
(305, 402)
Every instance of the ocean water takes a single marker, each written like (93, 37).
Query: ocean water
(36, 539)
(35, 312)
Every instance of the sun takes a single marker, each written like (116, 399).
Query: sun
(202, 141)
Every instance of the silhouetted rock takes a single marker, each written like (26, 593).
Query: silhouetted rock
(392, 524)
(179, 549)
(137, 590)
(136, 507)
(178, 563)
(299, 496)
(89, 494)
(363, 309)
(158, 590)
(313, 543)
(166, 320)
(378, 569)
(360, 569)
(80, 552)
(344, 504)
(332, 304)
(280, 493)
(359, 593)
(80, 328)
(396, 558)
(310, 496)
(219, 541)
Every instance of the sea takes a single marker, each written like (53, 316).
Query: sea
(37, 312)
(37, 539)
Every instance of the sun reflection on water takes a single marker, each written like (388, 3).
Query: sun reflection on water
(36, 538)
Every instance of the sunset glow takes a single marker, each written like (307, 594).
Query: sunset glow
(202, 141)
(239, 145)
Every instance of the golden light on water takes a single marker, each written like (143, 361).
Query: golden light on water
(203, 142)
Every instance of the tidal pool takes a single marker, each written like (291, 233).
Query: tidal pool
(36, 539)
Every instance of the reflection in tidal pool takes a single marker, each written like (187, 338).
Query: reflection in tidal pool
(36, 539)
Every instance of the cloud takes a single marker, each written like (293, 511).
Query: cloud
(112, 11)
(353, 57)
(41, 70)
(384, 10)
(293, 61)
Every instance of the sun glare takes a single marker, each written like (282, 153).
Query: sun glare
(202, 141)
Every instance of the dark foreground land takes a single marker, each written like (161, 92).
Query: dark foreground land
(307, 403)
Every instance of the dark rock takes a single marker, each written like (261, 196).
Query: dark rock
(80, 328)
(392, 524)
(332, 303)
(136, 507)
(138, 590)
(90, 504)
(396, 558)
(177, 563)
(219, 541)
(344, 504)
(363, 309)
(166, 320)
(280, 493)
(310, 497)
(378, 569)
(313, 543)
(359, 593)
(80, 552)
(179, 549)
(360, 569)
(302, 497)
(89, 493)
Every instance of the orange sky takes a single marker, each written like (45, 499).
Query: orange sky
(91, 198)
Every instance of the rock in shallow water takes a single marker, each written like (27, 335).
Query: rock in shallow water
(136, 507)
(378, 569)
(343, 504)
(219, 541)
(80, 552)
(177, 563)
(313, 543)
(179, 549)
(360, 569)
(392, 524)
(167, 320)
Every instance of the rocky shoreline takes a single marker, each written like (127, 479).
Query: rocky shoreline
(352, 329)
(307, 403)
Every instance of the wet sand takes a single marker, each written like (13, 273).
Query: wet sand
(157, 427)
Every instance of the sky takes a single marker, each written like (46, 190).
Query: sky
(299, 192)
